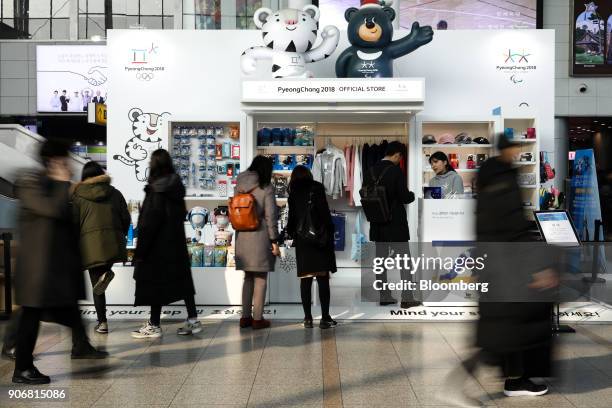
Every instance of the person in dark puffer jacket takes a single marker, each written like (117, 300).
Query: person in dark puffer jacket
(103, 218)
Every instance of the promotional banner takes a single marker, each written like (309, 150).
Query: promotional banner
(585, 207)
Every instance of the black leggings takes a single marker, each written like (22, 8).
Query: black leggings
(99, 300)
(324, 296)
(189, 303)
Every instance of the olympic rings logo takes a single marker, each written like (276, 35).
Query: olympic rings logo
(144, 76)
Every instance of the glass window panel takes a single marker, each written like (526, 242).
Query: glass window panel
(131, 21)
(245, 23)
(61, 29)
(132, 7)
(189, 6)
(119, 6)
(169, 23)
(39, 28)
(188, 22)
(9, 22)
(247, 7)
(94, 6)
(40, 9)
(169, 7)
(151, 8)
(151, 23)
(119, 21)
(61, 8)
(7, 10)
(96, 26)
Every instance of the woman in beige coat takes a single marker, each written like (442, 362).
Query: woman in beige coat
(256, 251)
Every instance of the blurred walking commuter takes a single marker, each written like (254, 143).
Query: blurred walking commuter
(311, 227)
(256, 250)
(516, 337)
(103, 218)
(162, 268)
(49, 278)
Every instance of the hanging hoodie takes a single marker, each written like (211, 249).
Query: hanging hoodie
(329, 169)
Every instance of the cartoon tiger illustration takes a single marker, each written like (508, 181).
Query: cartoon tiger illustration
(289, 36)
(147, 128)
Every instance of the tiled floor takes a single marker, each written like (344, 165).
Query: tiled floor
(355, 365)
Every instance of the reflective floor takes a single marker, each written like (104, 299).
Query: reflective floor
(355, 365)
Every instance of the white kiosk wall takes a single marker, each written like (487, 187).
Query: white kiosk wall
(195, 76)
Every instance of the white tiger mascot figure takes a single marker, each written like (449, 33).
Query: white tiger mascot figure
(147, 129)
(289, 36)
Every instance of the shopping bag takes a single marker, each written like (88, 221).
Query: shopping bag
(358, 241)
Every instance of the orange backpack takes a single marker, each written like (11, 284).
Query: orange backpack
(243, 212)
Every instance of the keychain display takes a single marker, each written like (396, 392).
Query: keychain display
(201, 154)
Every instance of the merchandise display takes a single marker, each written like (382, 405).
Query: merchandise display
(297, 136)
(205, 157)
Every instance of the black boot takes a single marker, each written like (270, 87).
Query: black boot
(30, 376)
(8, 353)
(87, 351)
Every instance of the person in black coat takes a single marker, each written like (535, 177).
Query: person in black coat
(516, 337)
(162, 266)
(313, 260)
(49, 281)
(396, 230)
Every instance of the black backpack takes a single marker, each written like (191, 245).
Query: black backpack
(311, 228)
(374, 199)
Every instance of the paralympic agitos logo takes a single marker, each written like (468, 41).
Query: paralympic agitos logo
(143, 62)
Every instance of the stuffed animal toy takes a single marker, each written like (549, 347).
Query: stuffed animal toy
(289, 36)
(370, 32)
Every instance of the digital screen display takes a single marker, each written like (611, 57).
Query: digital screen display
(469, 14)
(557, 228)
(591, 29)
(447, 14)
(68, 77)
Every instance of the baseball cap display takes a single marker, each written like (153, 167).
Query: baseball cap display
(463, 138)
(446, 138)
(429, 139)
(481, 140)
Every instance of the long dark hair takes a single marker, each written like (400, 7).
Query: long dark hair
(441, 156)
(160, 165)
(299, 177)
(91, 169)
(262, 165)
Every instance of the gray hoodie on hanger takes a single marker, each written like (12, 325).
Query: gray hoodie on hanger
(451, 183)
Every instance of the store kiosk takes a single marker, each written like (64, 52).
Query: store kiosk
(341, 112)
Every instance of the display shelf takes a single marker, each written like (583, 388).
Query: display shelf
(528, 186)
(524, 163)
(206, 198)
(288, 149)
(454, 146)
(526, 141)
(530, 207)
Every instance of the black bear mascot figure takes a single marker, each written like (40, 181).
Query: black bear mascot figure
(370, 32)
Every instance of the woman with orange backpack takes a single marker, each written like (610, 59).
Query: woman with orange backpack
(257, 243)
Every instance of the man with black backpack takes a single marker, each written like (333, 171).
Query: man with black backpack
(384, 198)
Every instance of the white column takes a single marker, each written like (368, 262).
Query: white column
(73, 13)
(178, 14)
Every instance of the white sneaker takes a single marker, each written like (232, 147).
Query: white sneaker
(148, 331)
(190, 328)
